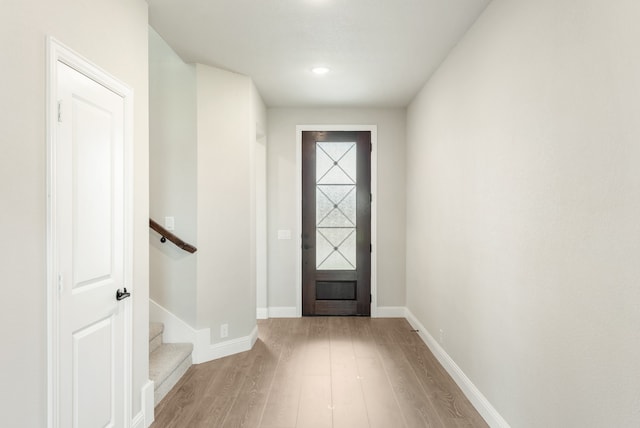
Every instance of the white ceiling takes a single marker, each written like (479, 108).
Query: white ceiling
(380, 52)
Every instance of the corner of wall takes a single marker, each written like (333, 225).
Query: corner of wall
(205, 351)
(178, 331)
(389, 312)
(283, 312)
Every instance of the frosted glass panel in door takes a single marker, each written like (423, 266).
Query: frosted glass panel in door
(336, 205)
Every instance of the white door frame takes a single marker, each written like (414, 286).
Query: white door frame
(58, 52)
(374, 207)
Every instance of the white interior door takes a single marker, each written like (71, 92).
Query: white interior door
(89, 208)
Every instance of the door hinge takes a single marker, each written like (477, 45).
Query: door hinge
(60, 283)
(59, 111)
(370, 248)
(370, 197)
(370, 298)
(371, 147)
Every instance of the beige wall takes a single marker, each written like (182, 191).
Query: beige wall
(281, 211)
(172, 177)
(227, 111)
(207, 170)
(113, 35)
(523, 200)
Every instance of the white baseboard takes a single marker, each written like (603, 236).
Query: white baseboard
(390, 312)
(148, 403)
(145, 417)
(282, 312)
(178, 331)
(479, 401)
(138, 421)
(262, 313)
(208, 352)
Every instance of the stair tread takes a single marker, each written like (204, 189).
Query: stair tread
(155, 330)
(164, 360)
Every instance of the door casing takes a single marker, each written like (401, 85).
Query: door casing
(57, 52)
(374, 206)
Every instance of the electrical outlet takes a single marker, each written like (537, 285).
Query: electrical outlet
(224, 330)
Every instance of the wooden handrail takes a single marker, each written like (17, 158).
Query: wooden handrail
(171, 237)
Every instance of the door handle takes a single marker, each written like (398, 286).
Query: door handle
(121, 295)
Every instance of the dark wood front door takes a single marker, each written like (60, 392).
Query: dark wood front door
(336, 223)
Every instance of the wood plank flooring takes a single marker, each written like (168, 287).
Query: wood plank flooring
(322, 372)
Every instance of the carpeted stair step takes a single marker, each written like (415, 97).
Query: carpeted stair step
(167, 364)
(155, 335)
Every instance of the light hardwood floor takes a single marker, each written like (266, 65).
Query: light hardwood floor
(322, 372)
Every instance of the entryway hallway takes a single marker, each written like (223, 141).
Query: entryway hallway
(322, 372)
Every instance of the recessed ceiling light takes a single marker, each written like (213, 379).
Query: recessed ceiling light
(320, 70)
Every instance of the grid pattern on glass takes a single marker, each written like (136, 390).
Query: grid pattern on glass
(335, 206)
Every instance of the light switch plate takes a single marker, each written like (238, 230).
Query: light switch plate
(169, 223)
(284, 234)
